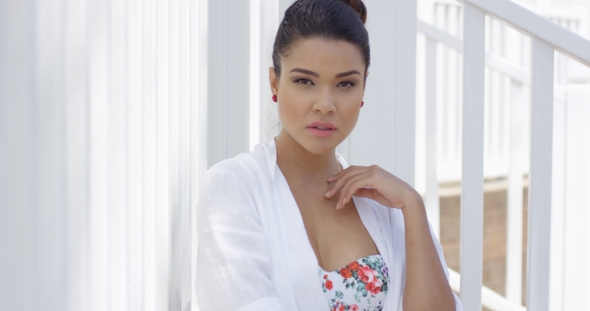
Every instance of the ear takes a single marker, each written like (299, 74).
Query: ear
(273, 80)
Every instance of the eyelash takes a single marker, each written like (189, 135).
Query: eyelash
(302, 81)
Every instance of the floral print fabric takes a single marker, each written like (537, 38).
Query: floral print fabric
(358, 286)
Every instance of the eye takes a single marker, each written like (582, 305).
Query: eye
(346, 84)
(303, 81)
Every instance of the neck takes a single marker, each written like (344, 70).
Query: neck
(298, 162)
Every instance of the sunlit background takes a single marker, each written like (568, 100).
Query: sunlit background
(111, 111)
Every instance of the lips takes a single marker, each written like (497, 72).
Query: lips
(321, 128)
(321, 125)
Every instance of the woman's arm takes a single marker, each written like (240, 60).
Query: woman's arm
(426, 284)
(233, 260)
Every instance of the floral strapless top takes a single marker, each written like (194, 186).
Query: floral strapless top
(359, 286)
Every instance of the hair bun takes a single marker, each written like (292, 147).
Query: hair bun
(359, 8)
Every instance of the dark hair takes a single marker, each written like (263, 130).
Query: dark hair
(327, 19)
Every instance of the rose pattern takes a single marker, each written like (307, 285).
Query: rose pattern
(359, 286)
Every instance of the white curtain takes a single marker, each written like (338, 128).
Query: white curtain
(100, 135)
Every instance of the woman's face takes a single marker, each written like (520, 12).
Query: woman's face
(319, 92)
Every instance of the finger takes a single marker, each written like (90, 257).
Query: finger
(368, 193)
(342, 179)
(366, 179)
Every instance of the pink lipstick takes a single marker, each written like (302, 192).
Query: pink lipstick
(321, 129)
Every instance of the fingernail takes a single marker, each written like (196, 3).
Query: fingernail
(327, 193)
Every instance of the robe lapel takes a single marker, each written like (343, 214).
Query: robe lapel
(380, 223)
(301, 261)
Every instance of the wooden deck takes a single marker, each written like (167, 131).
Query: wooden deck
(494, 249)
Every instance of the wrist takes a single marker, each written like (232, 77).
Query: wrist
(412, 200)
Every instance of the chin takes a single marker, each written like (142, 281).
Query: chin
(320, 146)
(312, 144)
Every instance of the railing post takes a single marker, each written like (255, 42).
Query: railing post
(391, 91)
(539, 214)
(472, 173)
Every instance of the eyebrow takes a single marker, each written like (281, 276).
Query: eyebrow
(315, 74)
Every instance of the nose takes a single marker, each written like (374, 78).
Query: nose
(325, 102)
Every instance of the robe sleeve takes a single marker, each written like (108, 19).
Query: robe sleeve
(233, 260)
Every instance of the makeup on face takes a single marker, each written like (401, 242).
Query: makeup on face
(321, 129)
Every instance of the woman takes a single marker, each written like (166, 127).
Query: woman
(290, 226)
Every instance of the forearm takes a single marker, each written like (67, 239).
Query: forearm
(426, 287)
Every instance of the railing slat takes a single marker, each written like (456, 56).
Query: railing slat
(472, 172)
(432, 199)
(539, 214)
(577, 214)
(439, 35)
(514, 207)
(558, 208)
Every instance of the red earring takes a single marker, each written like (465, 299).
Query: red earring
(274, 98)
(362, 104)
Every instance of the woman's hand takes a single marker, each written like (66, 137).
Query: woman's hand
(374, 183)
(426, 285)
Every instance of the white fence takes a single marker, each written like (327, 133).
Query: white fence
(111, 110)
(546, 37)
(506, 132)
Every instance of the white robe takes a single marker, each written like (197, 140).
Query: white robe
(253, 249)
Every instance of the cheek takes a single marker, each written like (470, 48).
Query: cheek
(287, 112)
(352, 116)
(290, 106)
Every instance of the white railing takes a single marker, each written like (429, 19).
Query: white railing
(110, 111)
(546, 38)
(507, 59)
(507, 79)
